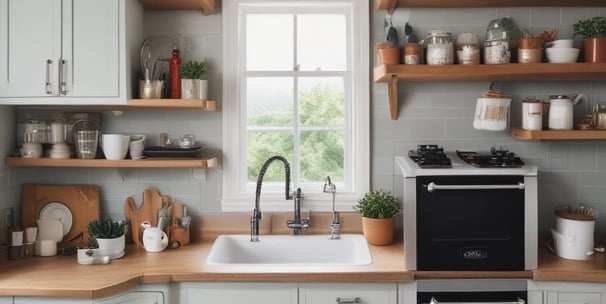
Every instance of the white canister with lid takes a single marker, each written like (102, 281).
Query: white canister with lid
(561, 111)
(440, 48)
(532, 114)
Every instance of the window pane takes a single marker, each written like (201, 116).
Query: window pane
(321, 101)
(322, 154)
(269, 101)
(321, 42)
(262, 146)
(269, 42)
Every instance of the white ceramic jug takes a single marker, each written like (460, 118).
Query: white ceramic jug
(561, 111)
(154, 238)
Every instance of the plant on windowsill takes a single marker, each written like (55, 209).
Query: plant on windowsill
(378, 210)
(192, 84)
(594, 31)
(109, 235)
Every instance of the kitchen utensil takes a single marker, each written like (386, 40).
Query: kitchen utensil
(115, 146)
(148, 211)
(154, 238)
(82, 201)
(45, 248)
(561, 111)
(86, 143)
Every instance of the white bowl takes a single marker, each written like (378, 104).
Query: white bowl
(562, 55)
(560, 43)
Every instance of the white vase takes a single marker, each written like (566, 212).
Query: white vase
(189, 88)
(114, 248)
(202, 89)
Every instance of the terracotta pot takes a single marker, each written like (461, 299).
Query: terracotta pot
(389, 55)
(595, 50)
(378, 231)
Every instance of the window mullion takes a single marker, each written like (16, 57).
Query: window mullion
(296, 134)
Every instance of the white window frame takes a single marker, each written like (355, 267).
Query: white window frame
(238, 197)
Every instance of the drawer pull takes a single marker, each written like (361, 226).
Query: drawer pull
(348, 300)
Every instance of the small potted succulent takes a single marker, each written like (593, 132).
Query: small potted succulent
(378, 210)
(192, 84)
(594, 31)
(109, 235)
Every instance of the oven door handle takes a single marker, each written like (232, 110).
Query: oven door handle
(431, 187)
(519, 301)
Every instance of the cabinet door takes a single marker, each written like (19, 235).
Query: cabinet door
(30, 45)
(52, 48)
(6, 300)
(135, 297)
(91, 48)
(238, 293)
(330, 293)
(554, 297)
(43, 300)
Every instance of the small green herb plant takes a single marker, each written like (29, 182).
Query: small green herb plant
(106, 229)
(193, 69)
(590, 28)
(378, 204)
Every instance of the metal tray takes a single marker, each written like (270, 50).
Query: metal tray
(159, 151)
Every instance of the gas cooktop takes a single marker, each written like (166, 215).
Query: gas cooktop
(433, 160)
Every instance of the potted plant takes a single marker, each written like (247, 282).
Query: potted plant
(192, 86)
(109, 235)
(378, 210)
(594, 31)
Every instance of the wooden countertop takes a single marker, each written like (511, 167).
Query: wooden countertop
(62, 276)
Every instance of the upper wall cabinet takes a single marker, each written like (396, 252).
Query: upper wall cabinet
(68, 52)
(206, 6)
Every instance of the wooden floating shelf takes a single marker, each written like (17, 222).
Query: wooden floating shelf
(390, 5)
(152, 162)
(205, 6)
(140, 104)
(483, 72)
(558, 134)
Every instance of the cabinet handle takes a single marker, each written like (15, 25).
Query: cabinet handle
(48, 85)
(62, 73)
(348, 300)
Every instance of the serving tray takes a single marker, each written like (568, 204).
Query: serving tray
(159, 151)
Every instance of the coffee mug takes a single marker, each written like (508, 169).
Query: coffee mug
(115, 146)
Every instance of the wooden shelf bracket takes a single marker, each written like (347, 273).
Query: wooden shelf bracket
(392, 92)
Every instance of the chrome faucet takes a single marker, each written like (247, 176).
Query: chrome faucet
(298, 225)
(257, 216)
(335, 227)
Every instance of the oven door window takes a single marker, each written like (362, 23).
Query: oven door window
(470, 223)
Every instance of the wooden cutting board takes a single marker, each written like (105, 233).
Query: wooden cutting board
(148, 211)
(82, 201)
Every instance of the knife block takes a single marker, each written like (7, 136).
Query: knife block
(178, 236)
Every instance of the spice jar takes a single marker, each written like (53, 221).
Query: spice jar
(439, 48)
(496, 52)
(468, 48)
(412, 53)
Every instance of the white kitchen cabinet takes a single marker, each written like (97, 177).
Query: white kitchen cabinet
(569, 292)
(6, 300)
(68, 52)
(330, 293)
(555, 297)
(238, 293)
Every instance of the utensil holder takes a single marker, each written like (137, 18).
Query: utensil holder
(178, 236)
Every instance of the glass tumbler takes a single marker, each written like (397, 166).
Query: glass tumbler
(86, 143)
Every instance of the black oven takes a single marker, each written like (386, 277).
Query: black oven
(472, 291)
(469, 211)
(470, 222)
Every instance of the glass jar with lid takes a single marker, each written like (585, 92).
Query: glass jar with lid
(439, 48)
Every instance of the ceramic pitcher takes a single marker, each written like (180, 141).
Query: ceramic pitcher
(561, 111)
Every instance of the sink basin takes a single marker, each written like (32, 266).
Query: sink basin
(237, 251)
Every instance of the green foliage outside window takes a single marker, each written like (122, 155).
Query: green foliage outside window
(322, 152)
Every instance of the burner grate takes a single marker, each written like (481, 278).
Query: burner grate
(430, 156)
(497, 158)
